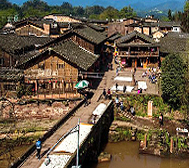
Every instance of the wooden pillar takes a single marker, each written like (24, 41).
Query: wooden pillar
(37, 89)
(45, 93)
(43, 90)
(129, 50)
(171, 145)
(52, 89)
(145, 141)
(59, 88)
(2, 89)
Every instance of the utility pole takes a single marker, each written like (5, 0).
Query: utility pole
(77, 156)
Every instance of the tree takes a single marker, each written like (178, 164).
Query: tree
(37, 5)
(93, 16)
(127, 12)
(170, 14)
(66, 8)
(186, 78)
(78, 11)
(164, 18)
(185, 18)
(93, 10)
(4, 4)
(109, 13)
(5, 14)
(173, 82)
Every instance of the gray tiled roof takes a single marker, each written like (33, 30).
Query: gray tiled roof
(75, 54)
(174, 42)
(133, 34)
(69, 51)
(12, 42)
(168, 24)
(114, 37)
(22, 59)
(96, 27)
(90, 34)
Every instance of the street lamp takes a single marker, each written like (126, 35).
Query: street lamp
(77, 157)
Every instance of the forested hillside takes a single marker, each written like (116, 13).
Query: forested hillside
(37, 8)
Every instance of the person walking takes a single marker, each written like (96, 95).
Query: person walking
(121, 106)
(38, 148)
(109, 94)
(134, 70)
(117, 72)
(124, 89)
(86, 100)
(116, 87)
(104, 93)
(132, 110)
(161, 119)
(117, 102)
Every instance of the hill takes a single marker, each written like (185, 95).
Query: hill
(136, 4)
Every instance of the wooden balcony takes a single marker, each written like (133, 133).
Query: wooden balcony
(138, 53)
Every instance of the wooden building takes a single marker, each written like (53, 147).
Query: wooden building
(89, 38)
(12, 46)
(57, 69)
(123, 27)
(10, 79)
(137, 50)
(54, 65)
(36, 27)
(166, 27)
(147, 28)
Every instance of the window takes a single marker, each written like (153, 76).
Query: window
(54, 25)
(41, 66)
(1, 61)
(60, 66)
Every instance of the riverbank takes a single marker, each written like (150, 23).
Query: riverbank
(153, 140)
(125, 154)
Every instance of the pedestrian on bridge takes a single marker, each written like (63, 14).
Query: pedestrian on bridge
(38, 148)
(86, 100)
(109, 94)
(104, 93)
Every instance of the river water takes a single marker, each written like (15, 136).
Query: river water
(125, 155)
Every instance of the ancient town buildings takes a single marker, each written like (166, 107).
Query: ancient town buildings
(53, 53)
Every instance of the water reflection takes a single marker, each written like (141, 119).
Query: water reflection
(125, 155)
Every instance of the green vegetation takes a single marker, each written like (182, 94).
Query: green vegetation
(173, 81)
(140, 103)
(38, 8)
